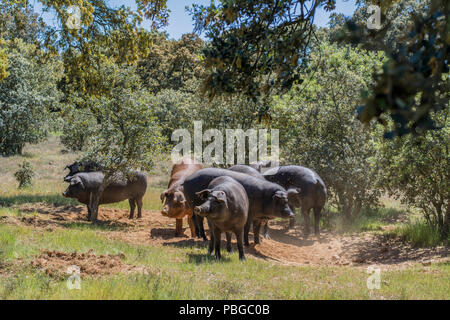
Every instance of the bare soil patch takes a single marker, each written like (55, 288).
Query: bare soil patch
(285, 246)
(60, 264)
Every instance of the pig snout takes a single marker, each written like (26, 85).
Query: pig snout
(165, 211)
(200, 210)
(288, 213)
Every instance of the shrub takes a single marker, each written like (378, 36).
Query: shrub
(26, 95)
(77, 128)
(420, 234)
(24, 175)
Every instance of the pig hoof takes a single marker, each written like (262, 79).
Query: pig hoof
(242, 259)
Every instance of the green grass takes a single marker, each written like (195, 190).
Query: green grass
(420, 234)
(188, 273)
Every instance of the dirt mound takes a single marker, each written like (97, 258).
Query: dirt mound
(286, 246)
(60, 264)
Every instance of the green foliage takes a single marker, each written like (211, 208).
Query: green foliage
(172, 64)
(19, 21)
(414, 81)
(24, 175)
(104, 34)
(77, 127)
(156, 11)
(420, 234)
(255, 45)
(3, 62)
(319, 130)
(127, 135)
(26, 95)
(417, 171)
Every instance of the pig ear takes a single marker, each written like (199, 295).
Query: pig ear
(279, 195)
(203, 194)
(76, 181)
(294, 191)
(221, 196)
(163, 195)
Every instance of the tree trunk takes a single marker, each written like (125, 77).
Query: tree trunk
(446, 229)
(94, 200)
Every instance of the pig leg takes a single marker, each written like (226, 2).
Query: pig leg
(228, 235)
(291, 222)
(246, 231)
(211, 236)
(196, 226)
(256, 227)
(201, 228)
(139, 205)
(191, 226)
(317, 211)
(239, 235)
(89, 212)
(266, 229)
(132, 203)
(178, 227)
(217, 239)
(305, 213)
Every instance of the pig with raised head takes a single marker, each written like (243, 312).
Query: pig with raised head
(81, 166)
(83, 184)
(312, 191)
(226, 208)
(266, 200)
(173, 198)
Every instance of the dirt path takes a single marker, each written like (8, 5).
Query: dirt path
(285, 246)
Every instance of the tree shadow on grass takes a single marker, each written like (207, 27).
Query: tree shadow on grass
(198, 258)
(99, 225)
(166, 233)
(54, 199)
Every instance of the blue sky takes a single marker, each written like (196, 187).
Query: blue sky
(180, 21)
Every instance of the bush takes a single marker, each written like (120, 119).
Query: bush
(26, 95)
(24, 175)
(417, 172)
(77, 128)
(420, 234)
